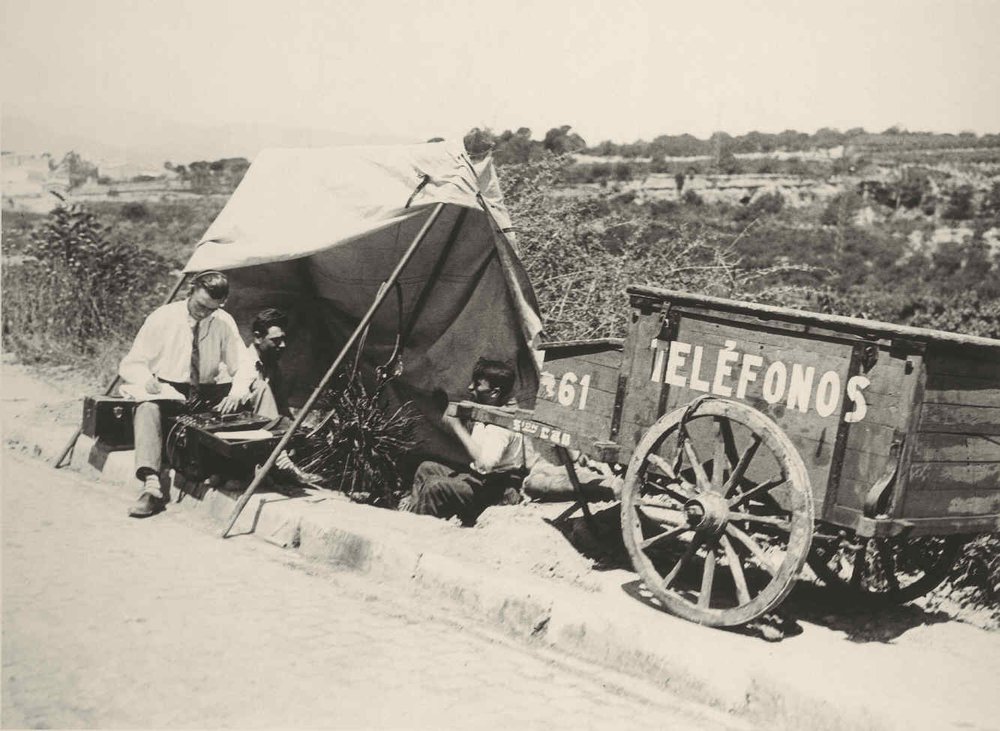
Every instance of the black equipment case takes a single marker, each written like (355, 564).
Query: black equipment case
(109, 419)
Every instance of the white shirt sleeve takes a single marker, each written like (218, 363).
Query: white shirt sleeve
(234, 354)
(492, 441)
(246, 374)
(135, 366)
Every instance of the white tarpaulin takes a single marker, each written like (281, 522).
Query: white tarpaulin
(316, 231)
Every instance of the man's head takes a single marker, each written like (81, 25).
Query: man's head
(269, 333)
(209, 291)
(492, 382)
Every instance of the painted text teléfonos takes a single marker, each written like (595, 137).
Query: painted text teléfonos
(734, 374)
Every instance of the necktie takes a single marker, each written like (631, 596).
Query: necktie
(195, 375)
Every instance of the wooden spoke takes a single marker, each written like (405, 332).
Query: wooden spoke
(736, 569)
(752, 546)
(888, 564)
(783, 523)
(719, 461)
(699, 469)
(707, 579)
(738, 500)
(674, 489)
(732, 453)
(681, 563)
(662, 465)
(666, 514)
(858, 571)
(741, 466)
(663, 536)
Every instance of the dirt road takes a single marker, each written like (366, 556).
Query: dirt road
(109, 621)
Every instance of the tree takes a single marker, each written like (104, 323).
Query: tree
(78, 169)
(479, 141)
(959, 206)
(559, 140)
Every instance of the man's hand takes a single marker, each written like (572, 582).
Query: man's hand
(153, 385)
(228, 405)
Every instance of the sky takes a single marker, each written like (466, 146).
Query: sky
(132, 73)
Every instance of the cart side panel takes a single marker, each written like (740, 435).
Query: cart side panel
(845, 450)
(825, 443)
(954, 469)
(577, 391)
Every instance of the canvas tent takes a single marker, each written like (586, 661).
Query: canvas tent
(317, 231)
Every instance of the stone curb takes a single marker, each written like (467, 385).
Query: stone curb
(627, 636)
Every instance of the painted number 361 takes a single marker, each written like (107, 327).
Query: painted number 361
(566, 392)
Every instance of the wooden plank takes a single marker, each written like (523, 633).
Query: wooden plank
(950, 503)
(607, 359)
(941, 447)
(956, 419)
(920, 526)
(942, 476)
(886, 377)
(965, 362)
(822, 357)
(642, 396)
(834, 322)
(947, 388)
(755, 336)
(594, 377)
(594, 420)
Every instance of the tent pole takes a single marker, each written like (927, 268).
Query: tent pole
(110, 389)
(307, 407)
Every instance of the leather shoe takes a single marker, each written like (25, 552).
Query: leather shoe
(289, 470)
(145, 506)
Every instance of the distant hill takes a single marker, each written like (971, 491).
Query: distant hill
(150, 141)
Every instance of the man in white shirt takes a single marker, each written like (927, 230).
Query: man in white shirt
(184, 344)
(498, 457)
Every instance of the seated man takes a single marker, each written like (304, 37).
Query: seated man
(261, 379)
(498, 459)
(260, 373)
(183, 344)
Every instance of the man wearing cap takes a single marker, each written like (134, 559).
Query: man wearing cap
(191, 345)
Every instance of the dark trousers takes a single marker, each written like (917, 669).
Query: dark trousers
(445, 492)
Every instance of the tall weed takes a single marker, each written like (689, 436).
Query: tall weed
(76, 292)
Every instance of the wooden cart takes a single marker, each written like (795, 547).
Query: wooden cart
(757, 438)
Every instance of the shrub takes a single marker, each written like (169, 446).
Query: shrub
(766, 204)
(77, 289)
(581, 255)
(359, 440)
(841, 209)
(692, 198)
(135, 212)
(959, 204)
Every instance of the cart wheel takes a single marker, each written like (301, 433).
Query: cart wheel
(897, 569)
(717, 485)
